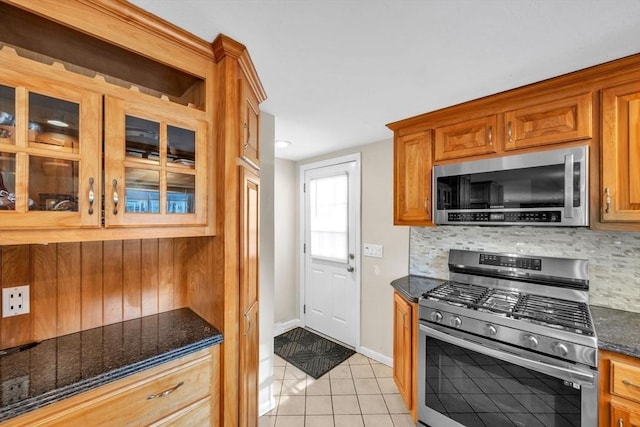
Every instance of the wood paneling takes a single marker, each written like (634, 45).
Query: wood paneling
(77, 286)
(16, 330)
(91, 285)
(68, 278)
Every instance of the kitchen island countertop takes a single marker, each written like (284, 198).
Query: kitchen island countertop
(58, 368)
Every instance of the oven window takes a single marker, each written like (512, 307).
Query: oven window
(478, 390)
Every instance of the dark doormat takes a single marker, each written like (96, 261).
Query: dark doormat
(309, 352)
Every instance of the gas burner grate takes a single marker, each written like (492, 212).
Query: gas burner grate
(499, 301)
(554, 312)
(459, 294)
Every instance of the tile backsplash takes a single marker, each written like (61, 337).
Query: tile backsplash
(614, 257)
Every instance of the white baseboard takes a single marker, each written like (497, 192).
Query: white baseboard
(266, 406)
(378, 357)
(279, 328)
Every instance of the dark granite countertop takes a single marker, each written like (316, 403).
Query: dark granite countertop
(61, 367)
(617, 330)
(412, 287)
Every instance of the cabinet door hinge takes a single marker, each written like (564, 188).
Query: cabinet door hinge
(304, 309)
(304, 248)
(304, 187)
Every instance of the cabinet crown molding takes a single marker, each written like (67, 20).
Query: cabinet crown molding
(224, 46)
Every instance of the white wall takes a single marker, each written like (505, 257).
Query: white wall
(376, 227)
(267, 163)
(286, 230)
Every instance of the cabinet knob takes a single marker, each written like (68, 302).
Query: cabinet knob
(607, 199)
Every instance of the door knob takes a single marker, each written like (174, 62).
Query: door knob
(350, 268)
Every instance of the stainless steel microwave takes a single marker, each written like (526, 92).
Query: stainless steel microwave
(547, 188)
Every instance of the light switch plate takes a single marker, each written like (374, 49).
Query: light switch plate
(15, 301)
(372, 250)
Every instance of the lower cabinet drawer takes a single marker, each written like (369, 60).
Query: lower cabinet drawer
(164, 395)
(622, 416)
(625, 380)
(196, 414)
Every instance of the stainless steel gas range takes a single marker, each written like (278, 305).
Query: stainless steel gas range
(508, 341)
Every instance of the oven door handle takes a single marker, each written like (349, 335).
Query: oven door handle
(554, 371)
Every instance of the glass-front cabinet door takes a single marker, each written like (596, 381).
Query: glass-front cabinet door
(49, 154)
(155, 165)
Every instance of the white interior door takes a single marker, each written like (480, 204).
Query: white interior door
(331, 258)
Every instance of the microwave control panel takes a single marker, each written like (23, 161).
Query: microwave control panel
(535, 216)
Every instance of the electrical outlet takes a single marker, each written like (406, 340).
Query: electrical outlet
(15, 301)
(15, 390)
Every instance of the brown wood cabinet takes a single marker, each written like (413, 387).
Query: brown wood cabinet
(553, 122)
(250, 125)
(150, 70)
(238, 188)
(155, 164)
(175, 393)
(156, 147)
(598, 107)
(249, 274)
(467, 138)
(412, 179)
(619, 390)
(620, 197)
(405, 350)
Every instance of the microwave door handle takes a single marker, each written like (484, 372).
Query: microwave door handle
(568, 186)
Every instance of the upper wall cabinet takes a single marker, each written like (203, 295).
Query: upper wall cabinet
(568, 119)
(468, 138)
(250, 124)
(155, 165)
(564, 110)
(50, 143)
(621, 153)
(101, 142)
(412, 179)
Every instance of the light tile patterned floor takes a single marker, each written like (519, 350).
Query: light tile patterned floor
(360, 392)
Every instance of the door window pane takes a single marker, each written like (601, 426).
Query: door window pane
(328, 222)
(180, 193)
(53, 123)
(142, 138)
(142, 194)
(53, 184)
(7, 114)
(181, 146)
(7, 181)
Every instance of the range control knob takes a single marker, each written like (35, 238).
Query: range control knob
(490, 330)
(436, 316)
(455, 322)
(530, 341)
(559, 349)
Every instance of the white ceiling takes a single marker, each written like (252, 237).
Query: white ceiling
(336, 71)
